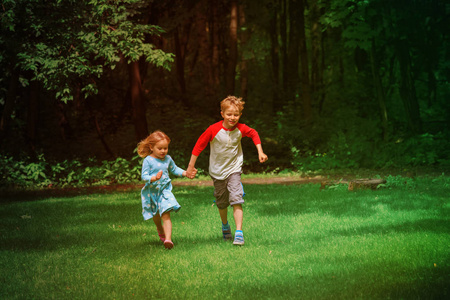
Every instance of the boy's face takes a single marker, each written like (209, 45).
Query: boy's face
(230, 116)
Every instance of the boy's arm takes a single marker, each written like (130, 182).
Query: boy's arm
(262, 156)
(200, 145)
(191, 170)
(253, 134)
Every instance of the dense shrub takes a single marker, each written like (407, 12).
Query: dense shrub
(347, 151)
(41, 173)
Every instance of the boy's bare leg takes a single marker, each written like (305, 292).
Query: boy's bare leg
(238, 214)
(223, 215)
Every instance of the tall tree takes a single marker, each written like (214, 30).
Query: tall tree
(305, 79)
(244, 35)
(275, 56)
(82, 40)
(137, 103)
(317, 60)
(294, 39)
(233, 55)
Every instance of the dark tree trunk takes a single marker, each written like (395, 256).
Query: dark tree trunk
(305, 83)
(64, 125)
(274, 55)
(292, 74)
(407, 89)
(137, 102)
(232, 59)
(379, 91)
(316, 49)
(32, 116)
(243, 65)
(203, 47)
(322, 91)
(181, 41)
(283, 48)
(101, 136)
(214, 29)
(206, 32)
(9, 103)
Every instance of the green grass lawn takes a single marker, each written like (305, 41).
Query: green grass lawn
(300, 243)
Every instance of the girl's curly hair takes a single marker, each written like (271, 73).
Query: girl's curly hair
(143, 147)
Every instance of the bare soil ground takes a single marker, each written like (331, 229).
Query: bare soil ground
(71, 191)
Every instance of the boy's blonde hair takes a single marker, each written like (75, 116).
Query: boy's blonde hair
(143, 147)
(232, 100)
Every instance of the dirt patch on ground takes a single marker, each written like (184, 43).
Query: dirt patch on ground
(288, 180)
(9, 195)
(329, 179)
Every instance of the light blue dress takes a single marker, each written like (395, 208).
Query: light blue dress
(157, 196)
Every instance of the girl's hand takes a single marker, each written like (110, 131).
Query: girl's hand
(191, 172)
(158, 176)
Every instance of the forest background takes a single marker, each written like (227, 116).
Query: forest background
(327, 84)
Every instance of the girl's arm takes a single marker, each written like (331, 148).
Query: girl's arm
(175, 170)
(146, 171)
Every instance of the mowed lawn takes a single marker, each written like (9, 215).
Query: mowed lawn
(301, 242)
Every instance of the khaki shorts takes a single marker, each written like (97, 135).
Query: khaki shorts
(229, 191)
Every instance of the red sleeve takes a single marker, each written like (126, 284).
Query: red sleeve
(250, 132)
(206, 137)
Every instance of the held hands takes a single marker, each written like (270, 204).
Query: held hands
(191, 172)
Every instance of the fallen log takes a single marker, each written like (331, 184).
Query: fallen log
(364, 184)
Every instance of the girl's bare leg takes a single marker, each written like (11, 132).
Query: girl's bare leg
(167, 225)
(157, 220)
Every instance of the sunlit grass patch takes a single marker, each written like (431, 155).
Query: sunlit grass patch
(301, 242)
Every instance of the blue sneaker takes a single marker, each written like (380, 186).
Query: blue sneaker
(226, 232)
(238, 238)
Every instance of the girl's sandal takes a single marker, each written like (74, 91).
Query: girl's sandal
(162, 237)
(168, 244)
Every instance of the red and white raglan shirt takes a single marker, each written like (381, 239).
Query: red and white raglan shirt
(226, 156)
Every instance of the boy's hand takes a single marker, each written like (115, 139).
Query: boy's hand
(262, 157)
(191, 172)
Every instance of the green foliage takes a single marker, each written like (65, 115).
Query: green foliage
(422, 150)
(399, 182)
(79, 43)
(442, 180)
(42, 173)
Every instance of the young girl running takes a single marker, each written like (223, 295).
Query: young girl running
(157, 198)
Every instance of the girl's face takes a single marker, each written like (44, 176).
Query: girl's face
(230, 116)
(160, 149)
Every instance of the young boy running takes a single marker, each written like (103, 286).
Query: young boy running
(225, 162)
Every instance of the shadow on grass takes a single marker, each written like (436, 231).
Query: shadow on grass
(294, 200)
(424, 283)
(424, 225)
